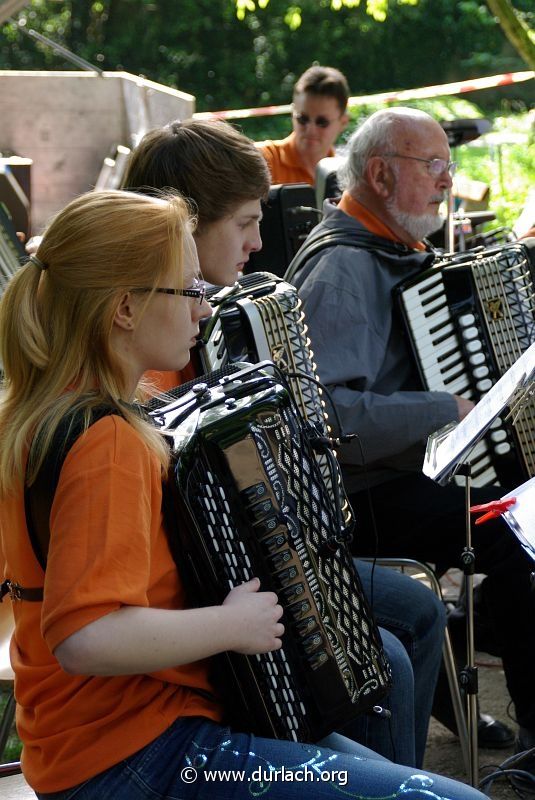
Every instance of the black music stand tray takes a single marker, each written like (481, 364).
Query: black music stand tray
(448, 451)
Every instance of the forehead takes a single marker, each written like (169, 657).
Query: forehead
(249, 209)
(317, 105)
(191, 259)
(423, 138)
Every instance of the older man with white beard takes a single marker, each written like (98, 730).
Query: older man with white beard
(398, 171)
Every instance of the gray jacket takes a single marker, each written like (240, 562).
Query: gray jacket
(363, 357)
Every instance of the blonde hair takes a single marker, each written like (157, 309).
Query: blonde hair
(56, 317)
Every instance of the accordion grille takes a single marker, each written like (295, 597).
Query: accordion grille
(505, 288)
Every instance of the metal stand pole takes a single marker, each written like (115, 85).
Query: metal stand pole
(468, 676)
(450, 225)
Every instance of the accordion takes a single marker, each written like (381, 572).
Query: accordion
(11, 250)
(260, 318)
(468, 319)
(247, 499)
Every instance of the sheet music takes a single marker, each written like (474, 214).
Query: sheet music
(521, 516)
(446, 451)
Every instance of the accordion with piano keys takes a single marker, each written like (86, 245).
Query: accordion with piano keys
(246, 498)
(261, 318)
(468, 319)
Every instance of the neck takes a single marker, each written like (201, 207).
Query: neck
(369, 199)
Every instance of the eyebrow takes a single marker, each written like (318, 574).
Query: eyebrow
(258, 216)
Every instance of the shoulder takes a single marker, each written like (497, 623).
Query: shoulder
(110, 441)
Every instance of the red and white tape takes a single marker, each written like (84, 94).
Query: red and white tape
(384, 97)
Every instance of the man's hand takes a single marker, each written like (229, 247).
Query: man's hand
(464, 406)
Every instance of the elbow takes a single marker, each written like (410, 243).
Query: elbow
(75, 655)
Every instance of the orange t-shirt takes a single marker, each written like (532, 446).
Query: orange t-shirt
(108, 548)
(284, 161)
(354, 208)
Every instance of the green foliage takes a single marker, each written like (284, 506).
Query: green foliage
(13, 746)
(201, 47)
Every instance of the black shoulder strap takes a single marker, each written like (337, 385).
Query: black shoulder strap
(341, 236)
(38, 497)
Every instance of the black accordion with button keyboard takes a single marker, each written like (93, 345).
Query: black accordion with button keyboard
(261, 318)
(246, 498)
(468, 319)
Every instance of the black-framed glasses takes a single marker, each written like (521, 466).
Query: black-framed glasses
(319, 122)
(197, 290)
(435, 166)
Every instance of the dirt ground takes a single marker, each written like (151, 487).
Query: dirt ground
(443, 754)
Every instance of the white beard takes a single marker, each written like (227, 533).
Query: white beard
(418, 226)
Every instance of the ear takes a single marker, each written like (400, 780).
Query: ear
(380, 177)
(125, 315)
(344, 122)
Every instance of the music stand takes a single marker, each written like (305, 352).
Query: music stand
(521, 516)
(447, 453)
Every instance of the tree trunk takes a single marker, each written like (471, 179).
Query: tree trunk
(515, 29)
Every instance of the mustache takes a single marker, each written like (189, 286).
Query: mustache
(438, 198)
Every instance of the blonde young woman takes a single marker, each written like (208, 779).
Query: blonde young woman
(111, 666)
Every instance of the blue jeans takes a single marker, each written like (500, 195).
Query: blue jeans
(182, 764)
(416, 617)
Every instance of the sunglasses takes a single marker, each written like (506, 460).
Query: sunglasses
(319, 122)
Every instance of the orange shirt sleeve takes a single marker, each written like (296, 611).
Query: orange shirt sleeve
(105, 513)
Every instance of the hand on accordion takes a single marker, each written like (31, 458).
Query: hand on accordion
(464, 406)
(254, 625)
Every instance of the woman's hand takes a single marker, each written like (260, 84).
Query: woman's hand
(254, 619)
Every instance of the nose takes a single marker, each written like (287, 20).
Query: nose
(255, 243)
(445, 181)
(202, 310)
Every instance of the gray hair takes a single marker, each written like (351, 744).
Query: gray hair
(375, 134)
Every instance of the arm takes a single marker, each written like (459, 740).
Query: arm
(363, 359)
(113, 600)
(140, 640)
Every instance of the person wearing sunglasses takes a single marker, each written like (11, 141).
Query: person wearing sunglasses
(397, 173)
(318, 117)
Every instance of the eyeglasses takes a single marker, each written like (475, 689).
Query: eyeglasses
(319, 122)
(435, 166)
(196, 290)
